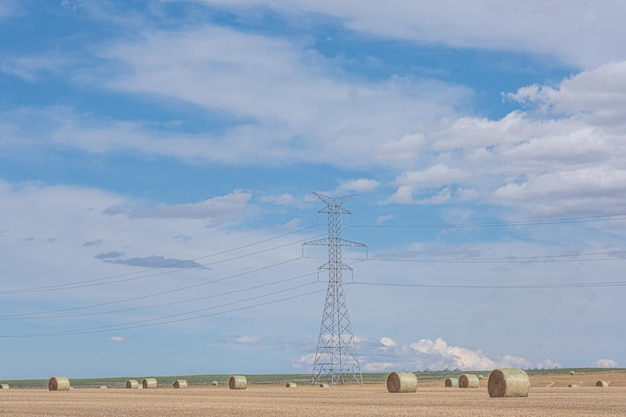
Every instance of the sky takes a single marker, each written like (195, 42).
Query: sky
(159, 159)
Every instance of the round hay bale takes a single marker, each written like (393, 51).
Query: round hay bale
(149, 383)
(402, 382)
(602, 383)
(469, 381)
(452, 382)
(238, 382)
(132, 383)
(59, 383)
(4, 386)
(291, 385)
(324, 386)
(215, 383)
(572, 373)
(481, 376)
(572, 386)
(508, 382)
(103, 387)
(180, 383)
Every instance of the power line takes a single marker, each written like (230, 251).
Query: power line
(496, 224)
(37, 315)
(493, 286)
(166, 292)
(112, 279)
(124, 327)
(515, 259)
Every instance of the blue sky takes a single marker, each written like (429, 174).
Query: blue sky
(158, 161)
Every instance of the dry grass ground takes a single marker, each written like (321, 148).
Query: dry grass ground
(549, 396)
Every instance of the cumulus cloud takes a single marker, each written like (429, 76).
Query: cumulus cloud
(386, 354)
(442, 355)
(604, 363)
(387, 341)
(117, 339)
(358, 185)
(304, 361)
(548, 364)
(596, 95)
(561, 154)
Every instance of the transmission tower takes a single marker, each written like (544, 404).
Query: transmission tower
(336, 354)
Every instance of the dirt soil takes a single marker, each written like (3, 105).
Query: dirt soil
(550, 395)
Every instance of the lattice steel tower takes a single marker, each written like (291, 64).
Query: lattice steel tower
(336, 354)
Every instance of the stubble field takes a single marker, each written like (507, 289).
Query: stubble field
(549, 396)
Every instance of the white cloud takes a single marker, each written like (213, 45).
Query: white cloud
(387, 341)
(241, 71)
(443, 355)
(225, 207)
(596, 95)
(30, 68)
(548, 364)
(386, 355)
(117, 339)
(378, 366)
(46, 228)
(579, 32)
(358, 185)
(305, 361)
(559, 157)
(384, 219)
(242, 340)
(604, 363)
(284, 199)
(250, 340)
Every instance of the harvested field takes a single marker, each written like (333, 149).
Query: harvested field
(549, 396)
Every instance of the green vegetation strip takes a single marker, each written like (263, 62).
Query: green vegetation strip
(300, 379)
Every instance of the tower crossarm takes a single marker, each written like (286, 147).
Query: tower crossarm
(336, 242)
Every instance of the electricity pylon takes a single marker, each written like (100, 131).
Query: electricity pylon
(336, 354)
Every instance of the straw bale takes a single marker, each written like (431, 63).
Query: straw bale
(215, 383)
(508, 382)
(4, 386)
(602, 383)
(452, 382)
(402, 382)
(291, 385)
(59, 383)
(180, 383)
(103, 387)
(324, 386)
(149, 383)
(572, 386)
(469, 381)
(238, 382)
(132, 383)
